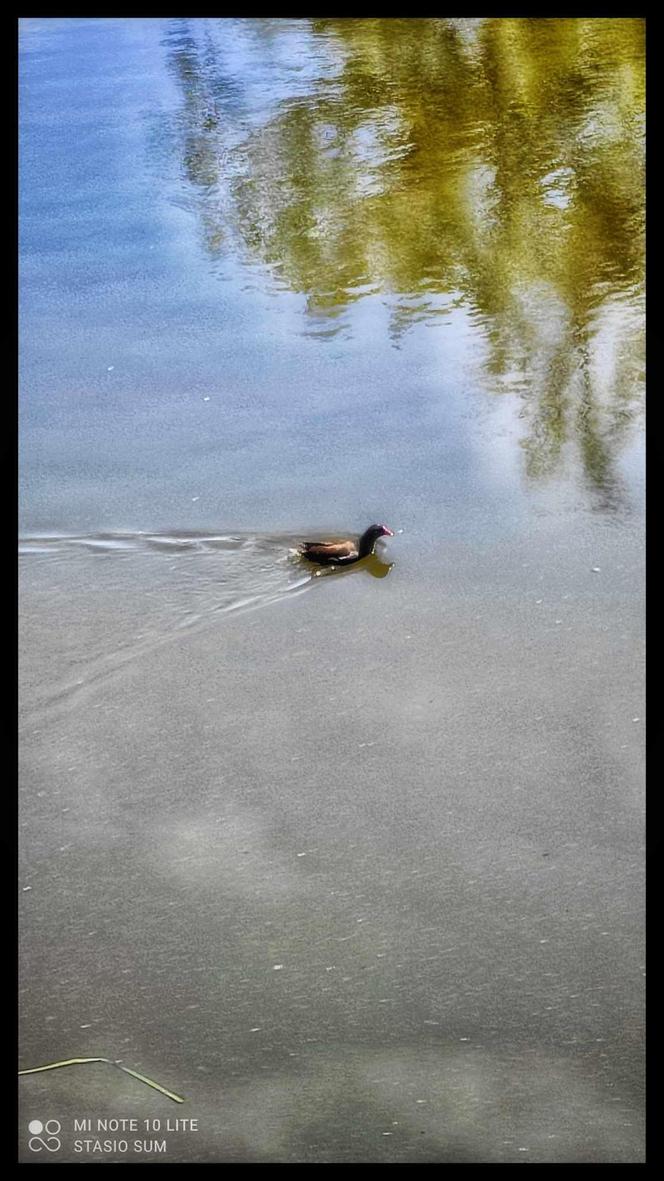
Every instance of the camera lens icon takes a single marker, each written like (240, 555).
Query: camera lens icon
(44, 1135)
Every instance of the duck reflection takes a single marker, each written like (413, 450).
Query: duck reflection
(373, 565)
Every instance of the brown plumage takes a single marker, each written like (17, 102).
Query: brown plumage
(342, 551)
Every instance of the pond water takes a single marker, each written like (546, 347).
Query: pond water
(353, 863)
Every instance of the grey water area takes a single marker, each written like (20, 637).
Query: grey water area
(352, 862)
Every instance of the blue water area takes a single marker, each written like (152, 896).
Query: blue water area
(176, 370)
(157, 387)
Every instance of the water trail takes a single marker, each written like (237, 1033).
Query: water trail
(113, 597)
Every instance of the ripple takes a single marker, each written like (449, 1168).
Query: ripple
(117, 596)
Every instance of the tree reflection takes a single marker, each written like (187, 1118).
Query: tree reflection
(494, 164)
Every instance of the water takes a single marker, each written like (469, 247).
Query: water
(232, 264)
(282, 278)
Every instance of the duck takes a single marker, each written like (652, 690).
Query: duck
(344, 551)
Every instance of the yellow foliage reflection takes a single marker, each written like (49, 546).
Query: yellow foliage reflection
(489, 164)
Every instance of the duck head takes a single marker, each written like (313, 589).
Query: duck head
(371, 535)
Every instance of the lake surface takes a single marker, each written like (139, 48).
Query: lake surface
(353, 863)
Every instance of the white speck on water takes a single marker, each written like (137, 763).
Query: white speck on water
(431, 1022)
(256, 1029)
(25, 888)
(596, 570)
(110, 368)
(538, 601)
(544, 940)
(464, 1039)
(86, 1026)
(301, 854)
(206, 399)
(277, 967)
(636, 719)
(420, 1100)
(194, 498)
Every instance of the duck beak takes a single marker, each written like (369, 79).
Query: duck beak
(387, 532)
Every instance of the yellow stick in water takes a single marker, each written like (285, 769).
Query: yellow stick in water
(76, 1061)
